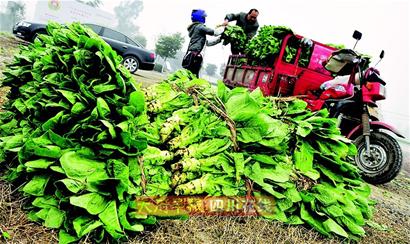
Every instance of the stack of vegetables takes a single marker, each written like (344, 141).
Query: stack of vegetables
(221, 138)
(262, 48)
(70, 133)
(85, 141)
(235, 36)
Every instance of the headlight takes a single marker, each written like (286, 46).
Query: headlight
(25, 24)
(382, 90)
(374, 112)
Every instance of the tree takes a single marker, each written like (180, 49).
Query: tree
(15, 11)
(126, 13)
(211, 69)
(92, 3)
(167, 46)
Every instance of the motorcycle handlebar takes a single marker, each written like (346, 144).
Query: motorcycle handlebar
(375, 78)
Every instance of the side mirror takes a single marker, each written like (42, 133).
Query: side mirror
(382, 54)
(357, 35)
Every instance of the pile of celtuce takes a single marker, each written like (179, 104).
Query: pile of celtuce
(221, 138)
(85, 142)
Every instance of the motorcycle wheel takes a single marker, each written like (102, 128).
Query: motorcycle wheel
(385, 158)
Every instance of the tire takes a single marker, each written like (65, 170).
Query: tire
(131, 63)
(386, 158)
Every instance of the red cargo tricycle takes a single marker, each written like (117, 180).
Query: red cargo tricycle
(338, 80)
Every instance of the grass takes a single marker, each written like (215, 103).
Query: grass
(14, 220)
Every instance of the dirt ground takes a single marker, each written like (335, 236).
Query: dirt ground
(392, 211)
(148, 78)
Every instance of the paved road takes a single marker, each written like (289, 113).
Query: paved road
(149, 77)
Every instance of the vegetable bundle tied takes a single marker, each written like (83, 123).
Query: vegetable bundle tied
(86, 141)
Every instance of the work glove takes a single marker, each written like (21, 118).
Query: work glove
(218, 31)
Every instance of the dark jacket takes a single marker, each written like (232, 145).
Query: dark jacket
(197, 33)
(249, 28)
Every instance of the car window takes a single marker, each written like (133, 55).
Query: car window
(95, 28)
(130, 41)
(291, 50)
(305, 55)
(112, 34)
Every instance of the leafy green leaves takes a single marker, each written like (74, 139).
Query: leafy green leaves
(94, 203)
(109, 217)
(37, 185)
(235, 36)
(331, 226)
(84, 225)
(55, 218)
(79, 167)
(241, 107)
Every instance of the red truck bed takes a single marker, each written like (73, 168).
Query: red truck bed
(283, 77)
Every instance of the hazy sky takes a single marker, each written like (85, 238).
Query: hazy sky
(384, 24)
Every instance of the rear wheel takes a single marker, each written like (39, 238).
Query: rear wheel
(385, 158)
(131, 63)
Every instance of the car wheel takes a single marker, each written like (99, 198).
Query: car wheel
(131, 63)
